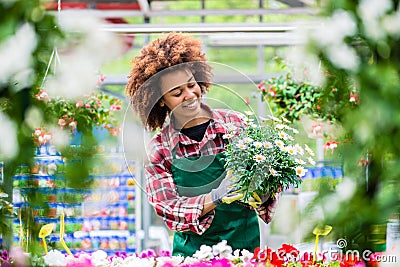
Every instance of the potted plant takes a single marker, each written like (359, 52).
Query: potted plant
(265, 157)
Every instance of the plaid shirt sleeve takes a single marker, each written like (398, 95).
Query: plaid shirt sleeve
(179, 213)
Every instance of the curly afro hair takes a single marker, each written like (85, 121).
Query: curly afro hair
(165, 54)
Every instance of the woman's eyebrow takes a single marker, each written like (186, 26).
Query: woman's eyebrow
(177, 87)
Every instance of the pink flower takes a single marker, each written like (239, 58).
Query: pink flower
(42, 95)
(87, 106)
(353, 97)
(115, 107)
(81, 263)
(79, 104)
(19, 257)
(220, 263)
(101, 79)
(148, 253)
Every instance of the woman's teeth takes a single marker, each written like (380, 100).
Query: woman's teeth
(192, 104)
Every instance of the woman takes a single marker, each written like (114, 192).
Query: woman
(185, 175)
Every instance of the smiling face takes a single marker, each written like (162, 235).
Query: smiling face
(182, 95)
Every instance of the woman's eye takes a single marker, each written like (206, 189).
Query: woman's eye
(178, 94)
(191, 85)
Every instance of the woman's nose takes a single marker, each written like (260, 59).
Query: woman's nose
(190, 93)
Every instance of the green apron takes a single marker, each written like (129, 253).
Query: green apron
(235, 223)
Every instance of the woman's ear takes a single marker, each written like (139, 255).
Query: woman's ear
(161, 103)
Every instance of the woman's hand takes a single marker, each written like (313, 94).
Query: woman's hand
(227, 191)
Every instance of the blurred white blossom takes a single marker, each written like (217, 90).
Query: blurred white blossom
(371, 11)
(61, 138)
(332, 30)
(136, 261)
(342, 56)
(8, 142)
(173, 260)
(346, 189)
(55, 258)
(204, 253)
(33, 117)
(222, 249)
(302, 59)
(391, 24)
(16, 55)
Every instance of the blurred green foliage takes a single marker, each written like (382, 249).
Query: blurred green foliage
(18, 97)
(371, 158)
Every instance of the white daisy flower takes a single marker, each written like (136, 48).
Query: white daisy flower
(273, 172)
(280, 126)
(273, 118)
(299, 161)
(279, 143)
(248, 120)
(258, 144)
(301, 171)
(253, 125)
(311, 161)
(267, 145)
(227, 136)
(299, 149)
(241, 146)
(248, 113)
(248, 140)
(309, 150)
(283, 135)
(259, 158)
(291, 150)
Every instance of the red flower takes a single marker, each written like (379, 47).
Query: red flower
(331, 145)
(271, 92)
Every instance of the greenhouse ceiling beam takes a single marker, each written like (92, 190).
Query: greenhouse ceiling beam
(118, 79)
(276, 39)
(201, 28)
(184, 13)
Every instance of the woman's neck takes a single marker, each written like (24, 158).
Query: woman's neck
(203, 117)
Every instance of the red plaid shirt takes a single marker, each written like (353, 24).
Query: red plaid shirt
(182, 213)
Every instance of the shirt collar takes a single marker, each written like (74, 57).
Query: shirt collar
(172, 136)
